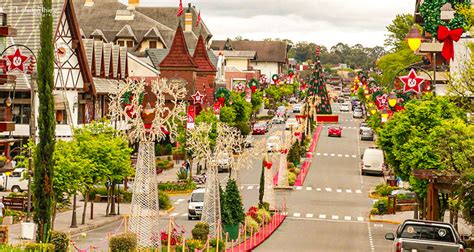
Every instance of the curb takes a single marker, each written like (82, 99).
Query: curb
(283, 188)
(86, 227)
(373, 196)
(178, 194)
(383, 221)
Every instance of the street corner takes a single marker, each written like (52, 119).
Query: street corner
(93, 225)
(166, 212)
(382, 219)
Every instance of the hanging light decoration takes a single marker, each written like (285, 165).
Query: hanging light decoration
(414, 38)
(392, 99)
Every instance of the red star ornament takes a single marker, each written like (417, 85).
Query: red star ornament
(198, 98)
(17, 61)
(412, 82)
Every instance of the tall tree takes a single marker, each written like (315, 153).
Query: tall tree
(398, 30)
(44, 163)
(393, 63)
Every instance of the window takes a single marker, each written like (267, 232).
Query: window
(21, 113)
(121, 43)
(129, 43)
(61, 117)
(152, 44)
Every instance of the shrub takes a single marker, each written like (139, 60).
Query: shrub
(252, 225)
(177, 187)
(182, 174)
(381, 205)
(43, 247)
(291, 178)
(374, 211)
(263, 216)
(213, 244)
(384, 189)
(297, 171)
(194, 244)
(233, 204)
(264, 205)
(244, 128)
(123, 242)
(164, 164)
(17, 215)
(60, 241)
(164, 200)
(200, 231)
(290, 165)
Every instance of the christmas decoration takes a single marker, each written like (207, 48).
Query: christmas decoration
(275, 78)
(240, 87)
(253, 84)
(263, 79)
(222, 95)
(318, 87)
(412, 82)
(267, 164)
(17, 61)
(430, 10)
(198, 98)
(447, 37)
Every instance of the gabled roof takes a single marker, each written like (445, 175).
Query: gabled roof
(178, 55)
(126, 32)
(267, 51)
(240, 54)
(156, 56)
(98, 33)
(201, 58)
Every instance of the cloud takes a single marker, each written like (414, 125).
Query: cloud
(321, 21)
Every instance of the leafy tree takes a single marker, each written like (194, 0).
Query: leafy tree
(393, 63)
(228, 114)
(398, 30)
(461, 85)
(44, 163)
(257, 99)
(208, 116)
(261, 189)
(242, 108)
(466, 195)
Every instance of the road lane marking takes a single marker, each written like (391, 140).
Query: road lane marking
(173, 214)
(241, 187)
(309, 188)
(298, 188)
(250, 187)
(354, 156)
(318, 154)
(296, 215)
(346, 155)
(339, 155)
(325, 154)
(378, 225)
(358, 191)
(318, 189)
(309, 215)
(258, 187)
(347, 218)
(184, 215)
(322, 216)
(338, 190)
(333, 155)
(328, 189)
(348, 191)
(335, 217)
(360, 218)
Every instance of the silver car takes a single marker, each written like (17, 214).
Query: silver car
(367, 135)
(358, 113)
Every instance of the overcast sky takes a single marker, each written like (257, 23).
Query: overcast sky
(324, 22)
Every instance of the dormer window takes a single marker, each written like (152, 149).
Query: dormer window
(129, 43)
(152, 44)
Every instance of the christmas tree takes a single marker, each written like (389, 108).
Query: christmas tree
(318, 87)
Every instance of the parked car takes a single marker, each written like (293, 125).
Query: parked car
(291, 122)
(358, 113)
(248, 142)
(372, 162)
(278, 120)
(335, 131)
(297, 108)
(367, 135)
(344, 107)
(196, 203)
(281, 111)
(423, 235)
(273, 144)
(223, 162)
(17, 181)
(363, 126)
(293, 100)
(259, 128)
(341, 100)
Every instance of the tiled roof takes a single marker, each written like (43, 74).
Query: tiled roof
(201, 58)
(267, 51)
(178, 55)
(98, 33)
(157, 55)
(126, 32)
(239, 54)
(106, 86)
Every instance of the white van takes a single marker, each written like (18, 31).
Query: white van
(196, 203)
(372, 162)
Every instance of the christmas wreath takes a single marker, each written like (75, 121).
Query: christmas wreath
(430, 10)
(253, 84)
(291, 73)
(275, 78)
(222, 94)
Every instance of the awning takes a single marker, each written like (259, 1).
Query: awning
(59, 102)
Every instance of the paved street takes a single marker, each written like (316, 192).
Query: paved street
(330, 212)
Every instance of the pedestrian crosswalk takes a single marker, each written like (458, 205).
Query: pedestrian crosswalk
(339, 155)
(344, 127)
(250, 187)
(323, 216)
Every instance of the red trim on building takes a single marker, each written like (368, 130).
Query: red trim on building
(201, 58)
(178, 55)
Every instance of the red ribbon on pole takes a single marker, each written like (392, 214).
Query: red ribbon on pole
(448, 36)
(267, 165)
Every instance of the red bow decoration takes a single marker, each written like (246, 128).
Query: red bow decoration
(267, 165)
(285, 151)
(448, 36)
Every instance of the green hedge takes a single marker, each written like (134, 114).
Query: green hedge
(39, 247)
(164, 164)
(123, 242)
(384, 189)
(60, 241)
(164, 200)
(381, 205)
(127, 195)
(177, 187)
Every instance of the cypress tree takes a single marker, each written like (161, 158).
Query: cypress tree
(233, 203)
(43, 172)
(261, 190)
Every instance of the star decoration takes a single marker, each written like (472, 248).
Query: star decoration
(412, 82)
(381, 101)
(17, 61)
(198, 98)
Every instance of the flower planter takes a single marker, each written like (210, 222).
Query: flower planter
(233, 231)
(327, 118)
(178, 156)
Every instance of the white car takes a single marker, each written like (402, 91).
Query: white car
(273, 144)
(17, 181)
(223, 162)
(291, 123)
(278, 120)
(344, 107)
(196, 203)
(297, 108)
(357, 113)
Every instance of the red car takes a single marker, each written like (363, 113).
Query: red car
(335, 131)
(259, 129)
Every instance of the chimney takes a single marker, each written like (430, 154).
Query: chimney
(188, 19)
(89, 3)
(132, 4)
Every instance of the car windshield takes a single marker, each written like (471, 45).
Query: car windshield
(423, 232)
(358, 110)
(197, 197)
(259, 125)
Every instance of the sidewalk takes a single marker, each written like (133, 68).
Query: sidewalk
(399, 217)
